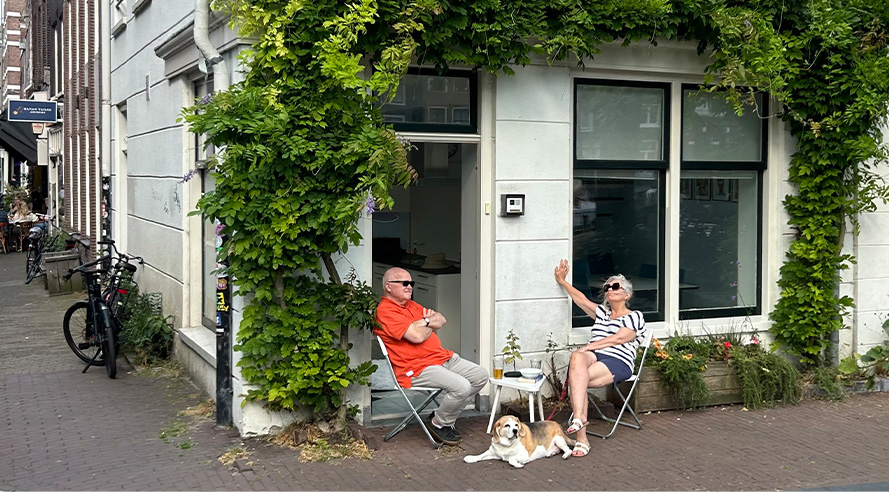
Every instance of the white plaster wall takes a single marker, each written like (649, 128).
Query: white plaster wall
(533, 157)
(148, 27)
(868, 280)
(532, 154)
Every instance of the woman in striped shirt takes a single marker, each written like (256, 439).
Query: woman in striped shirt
(611, 353)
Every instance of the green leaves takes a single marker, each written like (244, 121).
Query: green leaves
(306, 150)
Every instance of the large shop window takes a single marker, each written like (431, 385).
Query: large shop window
(621, 157)
(723, 155)
(430, 102)
(617, 229)
(620, 161)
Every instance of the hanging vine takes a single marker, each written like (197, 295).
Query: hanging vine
(308, 152)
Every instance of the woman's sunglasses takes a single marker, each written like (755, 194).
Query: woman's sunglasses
(403, 282)
(614, 286)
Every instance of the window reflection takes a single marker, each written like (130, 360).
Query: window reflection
(713, 132)
(619, 123)
(430, 99)
(616, 222)
(718, 236)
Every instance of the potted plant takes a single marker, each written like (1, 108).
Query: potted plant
(512, 352)
(690, 372)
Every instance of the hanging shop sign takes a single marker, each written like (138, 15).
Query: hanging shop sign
(31, 111)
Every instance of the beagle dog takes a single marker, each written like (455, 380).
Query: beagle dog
(518, 443)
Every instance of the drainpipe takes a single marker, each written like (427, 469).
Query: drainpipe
(215, 61)
(209, 52)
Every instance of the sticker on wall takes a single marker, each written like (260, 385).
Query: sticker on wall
(221, 303)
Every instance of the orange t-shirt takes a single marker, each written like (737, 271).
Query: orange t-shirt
(408, 358)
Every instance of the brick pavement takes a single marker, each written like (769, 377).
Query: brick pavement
(63, 430)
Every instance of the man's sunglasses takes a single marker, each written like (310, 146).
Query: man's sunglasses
(614, 286)
(403, 282)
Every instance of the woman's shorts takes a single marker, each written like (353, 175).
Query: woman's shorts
(619, 370)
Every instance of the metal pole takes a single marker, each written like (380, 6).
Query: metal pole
(223, 344)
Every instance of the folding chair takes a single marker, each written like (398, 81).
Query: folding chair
(625, 407)
(415, 411)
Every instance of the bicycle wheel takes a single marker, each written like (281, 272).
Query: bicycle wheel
(29, 261)
(80, 335)
(33, 265)
(109, 350)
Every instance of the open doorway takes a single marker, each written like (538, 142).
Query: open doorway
(433, 232)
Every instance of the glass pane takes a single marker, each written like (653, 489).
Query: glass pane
(619, 123)
(429, 99)
(617, 218)
(718, 229)
(713, 132)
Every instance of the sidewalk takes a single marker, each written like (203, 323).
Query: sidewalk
(63, 430)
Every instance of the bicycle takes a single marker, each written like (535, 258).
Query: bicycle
(92, 321)
(43, 237)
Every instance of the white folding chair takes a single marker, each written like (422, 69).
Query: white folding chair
(415, 411)
(633, 381)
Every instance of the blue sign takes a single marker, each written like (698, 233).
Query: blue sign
(30, 111)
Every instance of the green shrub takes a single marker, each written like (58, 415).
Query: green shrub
(147, 333)
(682, 362)
(766, 377)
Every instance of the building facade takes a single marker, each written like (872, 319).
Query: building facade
(619, 167)
(79, 34)
(13, 168)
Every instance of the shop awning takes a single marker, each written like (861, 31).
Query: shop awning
(18, 139)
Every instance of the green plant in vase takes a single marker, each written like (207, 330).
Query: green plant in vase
(512, 350)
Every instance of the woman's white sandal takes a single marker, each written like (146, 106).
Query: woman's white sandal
(576, 425)
(581, 449)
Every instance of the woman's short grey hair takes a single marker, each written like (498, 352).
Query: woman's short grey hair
(624, 283)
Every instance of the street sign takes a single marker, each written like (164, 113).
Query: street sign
(31, 111)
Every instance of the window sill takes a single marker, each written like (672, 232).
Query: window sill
(202, 341)
(118, 27)
(139, 5)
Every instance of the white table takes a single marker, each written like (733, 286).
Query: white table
(530, 388)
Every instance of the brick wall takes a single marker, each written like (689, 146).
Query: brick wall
(12, 56)
(39, 41)
(82, 86)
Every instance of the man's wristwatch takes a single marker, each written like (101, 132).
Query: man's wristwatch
(426, 320)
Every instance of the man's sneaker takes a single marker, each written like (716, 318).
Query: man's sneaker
(444, 435)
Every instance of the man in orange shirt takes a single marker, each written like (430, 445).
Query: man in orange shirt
(408, 330)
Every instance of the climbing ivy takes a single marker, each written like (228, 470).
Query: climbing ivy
(307, 152)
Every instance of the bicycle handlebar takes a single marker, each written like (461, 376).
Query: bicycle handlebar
(123, 256)
(83, 268)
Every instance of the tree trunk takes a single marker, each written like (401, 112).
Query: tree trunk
(344, 333)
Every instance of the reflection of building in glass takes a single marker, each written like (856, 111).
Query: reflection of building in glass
(432, 99)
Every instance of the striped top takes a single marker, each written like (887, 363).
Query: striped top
(605, 326)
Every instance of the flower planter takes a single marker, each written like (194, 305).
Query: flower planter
(57, 264)
(651, 395)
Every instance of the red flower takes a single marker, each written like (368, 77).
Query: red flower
(728, 345)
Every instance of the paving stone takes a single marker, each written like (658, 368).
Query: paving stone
(64, 430)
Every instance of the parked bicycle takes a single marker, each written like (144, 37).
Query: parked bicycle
(91, 327)
(44, 237)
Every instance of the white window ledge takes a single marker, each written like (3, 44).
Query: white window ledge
(202, 341)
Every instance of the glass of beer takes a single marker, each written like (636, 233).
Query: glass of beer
(498, 367)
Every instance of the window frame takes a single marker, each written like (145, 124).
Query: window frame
(662, 164)
(760, 167)
(412, 126)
